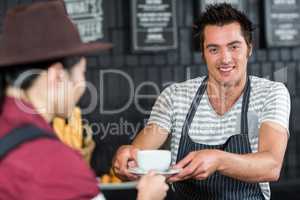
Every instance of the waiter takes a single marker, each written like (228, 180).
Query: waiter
(229, 131)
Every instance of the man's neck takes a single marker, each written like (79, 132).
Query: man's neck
(223, 97)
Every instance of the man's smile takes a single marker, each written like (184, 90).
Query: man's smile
(226, 68)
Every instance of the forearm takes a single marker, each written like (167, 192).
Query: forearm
(254, 167)
(151, 137)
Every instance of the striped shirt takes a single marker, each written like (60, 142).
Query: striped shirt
(269, 101)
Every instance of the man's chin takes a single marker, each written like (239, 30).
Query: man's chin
(228, 83)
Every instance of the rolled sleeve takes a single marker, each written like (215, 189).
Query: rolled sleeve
(277, 106)
(162, 111)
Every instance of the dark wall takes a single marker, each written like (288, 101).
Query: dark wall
(162, 68)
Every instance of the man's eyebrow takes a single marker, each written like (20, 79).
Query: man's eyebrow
(229, 44)
(234, 42)
(211, 45)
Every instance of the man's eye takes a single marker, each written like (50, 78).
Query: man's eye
(234, 47)
(213, 51)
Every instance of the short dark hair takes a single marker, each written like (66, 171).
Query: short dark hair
(222, 14)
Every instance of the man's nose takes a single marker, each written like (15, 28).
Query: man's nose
(226, 57)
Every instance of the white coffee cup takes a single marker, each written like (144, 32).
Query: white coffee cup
(157, 160)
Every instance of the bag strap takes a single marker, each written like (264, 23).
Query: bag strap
(20, 135)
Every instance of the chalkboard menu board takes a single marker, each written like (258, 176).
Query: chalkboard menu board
(238, 4)
(88, 16)
(154, 25)
(282, 19)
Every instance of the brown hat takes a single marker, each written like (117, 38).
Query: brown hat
(40, 32)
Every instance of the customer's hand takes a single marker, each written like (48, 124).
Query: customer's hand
(125, 158)
(152, 187)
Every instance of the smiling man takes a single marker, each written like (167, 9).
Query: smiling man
(229, 130)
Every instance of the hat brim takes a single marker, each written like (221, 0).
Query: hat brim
(80, 50)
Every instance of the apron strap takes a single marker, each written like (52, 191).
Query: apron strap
(245, 106)
(194, 106)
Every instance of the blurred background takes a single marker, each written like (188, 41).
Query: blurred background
(147, 57)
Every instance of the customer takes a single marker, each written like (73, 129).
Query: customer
(152, 187)
(229, 130)
(34, 163)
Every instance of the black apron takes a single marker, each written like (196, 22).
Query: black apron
(216, 186)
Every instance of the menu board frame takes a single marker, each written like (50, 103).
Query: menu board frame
(271, 40)
(89, 17)
(139, 45)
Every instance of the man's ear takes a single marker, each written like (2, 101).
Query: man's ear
(56, 73)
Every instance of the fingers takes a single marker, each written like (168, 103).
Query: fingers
(151, 173)
(153, 177)
(133, 153)
(122, 171)
(122, 161)
(191, 167)
(201, 176)
(186, 173)
(124, 174)
(132, 164)
(183, 164)
(185, 161)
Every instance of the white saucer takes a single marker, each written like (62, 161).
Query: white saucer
(139, 171)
